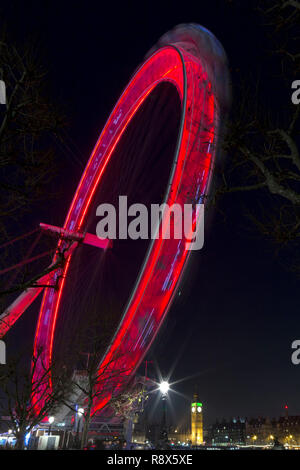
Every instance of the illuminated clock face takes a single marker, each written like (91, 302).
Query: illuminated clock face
(193, 409)
(199, 409)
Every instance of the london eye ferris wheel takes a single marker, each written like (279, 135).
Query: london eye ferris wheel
(159, 143)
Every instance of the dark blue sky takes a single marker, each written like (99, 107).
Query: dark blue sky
(237, 314)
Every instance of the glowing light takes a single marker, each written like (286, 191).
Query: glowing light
(51, 419)
(164, 387)
(27, 437)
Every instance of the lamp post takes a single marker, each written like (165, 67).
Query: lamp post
(50, 420)
(164, 388)
(80, 413)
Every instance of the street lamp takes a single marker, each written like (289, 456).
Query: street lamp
(164, 388)
(80, 413)
(50, 420)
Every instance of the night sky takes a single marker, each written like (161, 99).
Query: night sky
(230, 329)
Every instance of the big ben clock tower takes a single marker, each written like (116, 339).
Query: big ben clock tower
(196, 421)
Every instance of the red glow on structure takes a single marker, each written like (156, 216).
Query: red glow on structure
(189, 181)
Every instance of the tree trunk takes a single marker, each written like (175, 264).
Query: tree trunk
(20, 441)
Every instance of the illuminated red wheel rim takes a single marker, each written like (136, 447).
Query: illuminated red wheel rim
(189, 181)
